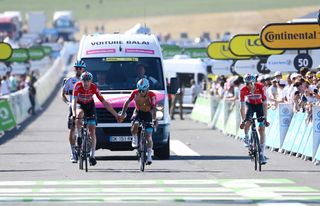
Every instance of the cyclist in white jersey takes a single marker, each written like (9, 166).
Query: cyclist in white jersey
(68, 84)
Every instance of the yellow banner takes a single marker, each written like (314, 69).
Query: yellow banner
(220, 51)
(5, 51)
(250, 44)
(291, 36)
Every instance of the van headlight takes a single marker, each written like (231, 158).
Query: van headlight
(159, 115)
(160, 107)
(159, 111)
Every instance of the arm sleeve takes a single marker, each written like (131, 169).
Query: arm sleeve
(76, 90)
(263, 93)
(98, 93)
(133, 94)
(153, 99)
(242, 95)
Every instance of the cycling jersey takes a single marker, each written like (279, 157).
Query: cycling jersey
(256, 97)
(86, 96)
(144, 104)
(68, 86)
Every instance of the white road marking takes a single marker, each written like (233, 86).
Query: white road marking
(181, 149)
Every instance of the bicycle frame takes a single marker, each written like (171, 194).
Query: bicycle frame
(142, 148)
(85, 145)
(254, 148)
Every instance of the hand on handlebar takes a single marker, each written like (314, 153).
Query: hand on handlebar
(242, 124)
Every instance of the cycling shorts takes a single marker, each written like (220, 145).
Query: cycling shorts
(89, 111)
(146, 117)
(255, 108)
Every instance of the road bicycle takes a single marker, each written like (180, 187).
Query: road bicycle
(255, 147)
(84, 145)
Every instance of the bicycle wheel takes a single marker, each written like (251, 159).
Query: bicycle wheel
(84, 152)
(81, 152)
(142, 148)
(254, 150)
(258, 152)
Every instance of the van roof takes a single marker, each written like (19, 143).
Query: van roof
(119, 45)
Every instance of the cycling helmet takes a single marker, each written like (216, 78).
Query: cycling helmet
(249, 78)
(86, 76)
(143, 84)
(80, 64)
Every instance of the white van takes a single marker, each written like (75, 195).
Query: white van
(113, 60)
(186, 68)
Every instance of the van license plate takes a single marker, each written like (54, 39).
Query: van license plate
(120, 138)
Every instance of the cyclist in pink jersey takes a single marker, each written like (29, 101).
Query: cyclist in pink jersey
(253, 100)
(83, 104)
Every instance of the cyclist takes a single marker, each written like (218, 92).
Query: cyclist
(252, 94)
(83, 104)
(67, 89)
(145, 101)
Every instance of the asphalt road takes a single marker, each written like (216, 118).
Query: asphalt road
(206, 167)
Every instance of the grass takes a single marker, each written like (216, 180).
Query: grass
(115, 9)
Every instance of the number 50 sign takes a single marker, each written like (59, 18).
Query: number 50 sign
(302, 60)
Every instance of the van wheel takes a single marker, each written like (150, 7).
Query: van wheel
(163, 152)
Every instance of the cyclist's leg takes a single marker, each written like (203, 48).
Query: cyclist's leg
(147, 117)
(71, 128)
(90, 112)
(249, 115)
(79, 117)
(135, 130)
(262, 134)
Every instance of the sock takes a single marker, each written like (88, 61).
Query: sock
(93, 149)
(149, 150)
(72, 149)
(263, 147)
(78, 132)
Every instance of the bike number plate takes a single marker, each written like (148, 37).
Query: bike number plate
(120, 138)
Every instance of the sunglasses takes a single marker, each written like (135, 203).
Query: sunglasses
(79, 68)
(142, 91)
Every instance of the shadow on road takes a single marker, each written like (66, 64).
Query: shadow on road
(26, 170)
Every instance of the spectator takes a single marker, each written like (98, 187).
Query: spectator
(195, 90)
(178, 97)
(5, 86)
(272, 93)
(278, 75)
(13, 83)
(32, 92)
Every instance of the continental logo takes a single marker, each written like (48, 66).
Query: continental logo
(291, 36)
(271, 36)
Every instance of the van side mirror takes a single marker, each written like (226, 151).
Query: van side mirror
(174, 86)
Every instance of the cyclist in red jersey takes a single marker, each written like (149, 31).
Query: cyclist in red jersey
(253, 100)
(145, 110)
(83, 104)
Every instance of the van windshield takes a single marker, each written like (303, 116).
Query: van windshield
(124, 73)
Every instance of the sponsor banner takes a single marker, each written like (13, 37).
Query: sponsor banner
(220, 51)
(250, 45)
(221, 67)
(36, 53)
(246, 66)
(291, 36)
(7, 120)
(282, 63)
(316, 129)
(170, 51)
(5, 51)
(285, 116)
(19, 55)
(47, 50)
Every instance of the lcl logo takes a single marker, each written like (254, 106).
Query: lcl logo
(256, 42)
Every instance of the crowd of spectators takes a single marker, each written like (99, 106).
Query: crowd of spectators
(298, 88)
